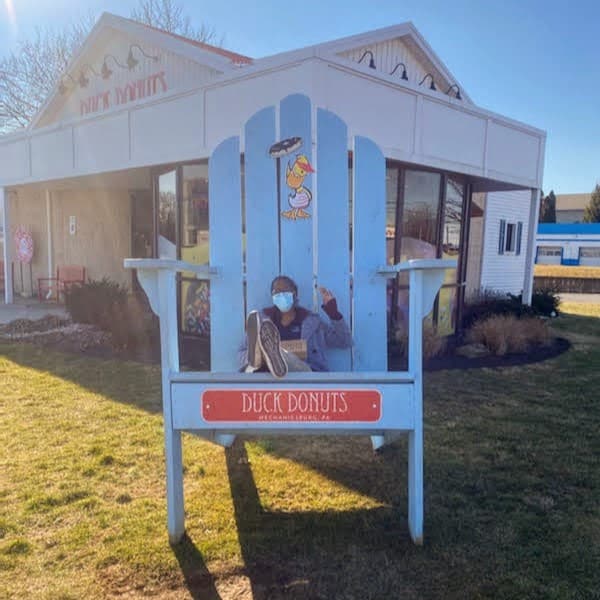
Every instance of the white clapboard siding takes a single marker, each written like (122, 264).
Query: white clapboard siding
(388, 54)
(504, 272)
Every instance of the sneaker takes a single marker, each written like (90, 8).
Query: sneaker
(253, 326)
(268, 338)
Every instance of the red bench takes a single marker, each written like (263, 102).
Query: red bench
(52, 288)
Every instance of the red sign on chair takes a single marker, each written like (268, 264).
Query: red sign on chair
(285, 405)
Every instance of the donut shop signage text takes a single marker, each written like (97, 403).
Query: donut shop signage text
(130, 92)
(305, 405)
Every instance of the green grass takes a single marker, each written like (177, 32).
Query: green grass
(512, 489)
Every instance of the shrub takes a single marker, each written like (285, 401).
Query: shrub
(506, 334)
(132, 325)
(489, 303)
(545, 302)
(95, 302)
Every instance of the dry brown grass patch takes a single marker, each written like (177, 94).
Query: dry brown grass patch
(433, 343)
(566, 271)
(505, 334)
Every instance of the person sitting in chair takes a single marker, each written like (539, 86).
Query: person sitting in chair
(287, 337)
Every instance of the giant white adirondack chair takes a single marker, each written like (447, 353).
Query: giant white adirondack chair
(313, 251)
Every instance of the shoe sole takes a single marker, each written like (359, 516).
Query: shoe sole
(269, 340)
(252, 332)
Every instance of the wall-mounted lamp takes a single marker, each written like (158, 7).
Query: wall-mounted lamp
(371, 60)
(132, 62)
(458, 96)
(83, 80)
(62, 88)
(404, 75)
(432, 85)
(105, 71)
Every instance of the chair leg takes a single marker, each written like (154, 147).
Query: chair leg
(415, 486)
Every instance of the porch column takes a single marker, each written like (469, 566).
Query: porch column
(7, 247)
(49, 232)
(534, 211)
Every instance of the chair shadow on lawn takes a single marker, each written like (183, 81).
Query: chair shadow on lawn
(198, 579)
(315, 554)
(287, 555)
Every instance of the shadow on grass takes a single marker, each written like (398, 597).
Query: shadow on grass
(504, 487)
(199, 582)
(129, 383)
(317, 554)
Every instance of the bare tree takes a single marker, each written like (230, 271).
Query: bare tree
(28, 74)
(169, 16)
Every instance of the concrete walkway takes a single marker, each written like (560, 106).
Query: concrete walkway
(584, 298)
(28, 308)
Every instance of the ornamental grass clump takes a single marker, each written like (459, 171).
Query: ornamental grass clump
(506, 334)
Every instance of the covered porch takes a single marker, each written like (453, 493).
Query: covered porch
(91, 222)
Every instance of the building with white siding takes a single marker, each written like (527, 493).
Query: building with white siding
(506, 227)
(115, 165)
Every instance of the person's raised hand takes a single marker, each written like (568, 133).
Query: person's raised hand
(325, 294)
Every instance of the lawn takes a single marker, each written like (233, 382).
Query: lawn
(512, 490)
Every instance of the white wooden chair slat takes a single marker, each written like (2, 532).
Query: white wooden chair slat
(296, 235)
(368, 229)
(262, 218)
(333, 231)
(225, 222)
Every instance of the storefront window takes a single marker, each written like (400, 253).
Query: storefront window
(424, 220)
(452, 224)
(420, 214)
(194, 248)
(392, 176)
(167, 215)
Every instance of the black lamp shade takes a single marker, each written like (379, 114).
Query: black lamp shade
(106, 72)
(131, 61)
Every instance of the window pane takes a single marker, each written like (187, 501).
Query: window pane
(452, 226)
(195, 294)
(420, 215)
(552, 251)
(588, 252)
(446, 322)
(510, 237)
(194, 214)
(391, 201)
(167, 215)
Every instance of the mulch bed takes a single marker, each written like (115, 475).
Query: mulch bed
(538, 354)
(65, 336)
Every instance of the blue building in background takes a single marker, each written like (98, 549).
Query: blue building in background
(575, 244)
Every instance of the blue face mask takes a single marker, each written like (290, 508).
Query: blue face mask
(283, 301)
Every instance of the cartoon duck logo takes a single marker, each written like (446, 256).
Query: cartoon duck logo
(301, 196)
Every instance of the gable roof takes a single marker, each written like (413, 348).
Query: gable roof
(219, 59)
(234, 57)
(226, 62)
(406, 32)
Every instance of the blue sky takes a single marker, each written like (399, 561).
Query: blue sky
(531, 60)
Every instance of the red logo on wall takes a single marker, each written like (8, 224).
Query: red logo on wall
(311, 406)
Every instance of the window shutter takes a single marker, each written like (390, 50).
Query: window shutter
(502, 236)
(519, 234)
